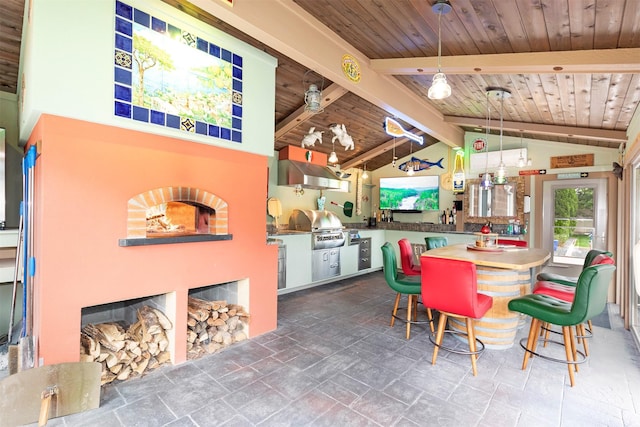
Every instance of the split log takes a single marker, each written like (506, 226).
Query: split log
(198, 308)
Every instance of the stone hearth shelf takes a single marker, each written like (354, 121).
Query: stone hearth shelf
(174, 239)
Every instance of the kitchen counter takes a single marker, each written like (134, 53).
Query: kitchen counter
(427, 228)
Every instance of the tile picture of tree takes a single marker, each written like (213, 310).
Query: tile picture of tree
(168, 76)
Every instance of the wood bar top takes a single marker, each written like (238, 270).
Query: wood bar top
(510, 258)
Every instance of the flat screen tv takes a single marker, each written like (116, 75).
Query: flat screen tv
(410, 193)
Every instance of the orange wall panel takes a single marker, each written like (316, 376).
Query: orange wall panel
(85, 174)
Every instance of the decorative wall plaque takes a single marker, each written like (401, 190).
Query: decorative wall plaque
(576, 160)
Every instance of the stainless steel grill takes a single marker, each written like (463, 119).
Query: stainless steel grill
(325, 227)
(327, 236)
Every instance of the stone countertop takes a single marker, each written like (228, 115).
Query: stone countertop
(470, 229)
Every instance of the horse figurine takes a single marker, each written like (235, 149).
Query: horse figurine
(310, 138)
(340, 133)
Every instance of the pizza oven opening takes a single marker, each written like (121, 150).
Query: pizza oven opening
(178, 219)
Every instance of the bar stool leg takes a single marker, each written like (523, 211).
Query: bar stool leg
(566, 333)
(430, 317)
(531, 341)
(395, 309)
(585, 341)
(409, 307)
(472, 345)
(441, 324)
(574, 348)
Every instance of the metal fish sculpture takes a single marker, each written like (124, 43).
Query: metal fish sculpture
(394, 128)
(419, 164)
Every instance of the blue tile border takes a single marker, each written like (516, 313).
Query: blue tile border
(126, 19)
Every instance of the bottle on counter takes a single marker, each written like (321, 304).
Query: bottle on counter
(382, 218)
(451, 217)
(444, 217)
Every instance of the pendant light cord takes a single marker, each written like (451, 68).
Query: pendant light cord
(488, 126)
(501, 112)
(439, 38)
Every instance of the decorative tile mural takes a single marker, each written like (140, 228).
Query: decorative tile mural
(166, 76)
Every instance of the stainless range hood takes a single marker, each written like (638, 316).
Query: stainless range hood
(309, 175)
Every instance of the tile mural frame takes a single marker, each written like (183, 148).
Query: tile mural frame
(124, 106)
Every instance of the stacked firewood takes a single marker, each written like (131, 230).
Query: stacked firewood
(126, 353)
(213, 325)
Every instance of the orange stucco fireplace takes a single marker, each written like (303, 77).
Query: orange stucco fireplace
(93, 187)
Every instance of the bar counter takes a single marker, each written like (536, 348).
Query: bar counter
(503, 275)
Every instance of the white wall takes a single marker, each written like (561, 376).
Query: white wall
(69, 56)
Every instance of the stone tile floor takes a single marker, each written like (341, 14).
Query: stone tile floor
(334, 361)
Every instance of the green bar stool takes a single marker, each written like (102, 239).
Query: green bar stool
(589, 300)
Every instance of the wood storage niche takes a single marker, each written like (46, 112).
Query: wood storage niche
(129, 338)
(215, 320)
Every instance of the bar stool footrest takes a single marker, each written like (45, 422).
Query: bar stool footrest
(457, 350)
(581, 356)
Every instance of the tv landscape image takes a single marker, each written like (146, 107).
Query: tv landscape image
(411, 193)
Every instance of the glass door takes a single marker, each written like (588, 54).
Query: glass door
(574, 218)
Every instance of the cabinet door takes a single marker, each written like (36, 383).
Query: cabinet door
(334, 263)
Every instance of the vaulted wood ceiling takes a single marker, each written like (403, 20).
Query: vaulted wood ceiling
(573, 67)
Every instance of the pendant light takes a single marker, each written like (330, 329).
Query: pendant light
(365, 175)
(333, 157)
(500, 94)
(312, 96)
(486, 182)
(440, 89)
(410, 170)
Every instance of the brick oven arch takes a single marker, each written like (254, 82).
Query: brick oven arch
(138, 205)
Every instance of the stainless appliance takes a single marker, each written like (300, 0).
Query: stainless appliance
(327, 237)
(364, 260)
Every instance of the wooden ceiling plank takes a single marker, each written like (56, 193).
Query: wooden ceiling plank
(567, 99)
(542, 129)
(608, 20)
(632, 100)
(599, 90)
(582, 84)
(557, 24)
(533, 21)
(630, 26)
(582, 17)
(571, 62)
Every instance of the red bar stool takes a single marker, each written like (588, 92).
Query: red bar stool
(406, 258)
(451, 287)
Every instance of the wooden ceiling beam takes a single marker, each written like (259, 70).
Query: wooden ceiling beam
(541, 129)
(329, 95)
(614, 61)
